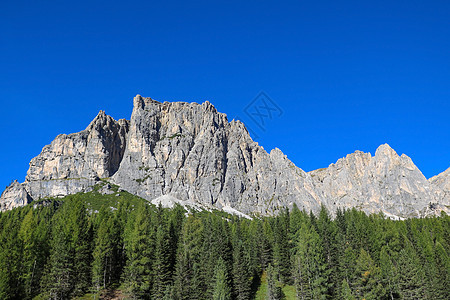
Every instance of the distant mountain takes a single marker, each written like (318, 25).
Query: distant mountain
(190, 152)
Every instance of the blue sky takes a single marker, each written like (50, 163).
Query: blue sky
(347, 75)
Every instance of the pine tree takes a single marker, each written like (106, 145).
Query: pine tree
(82, 245)
(106, 257)
(241, 270)
(441, 280)
(327, 231)
(346, 292)
(411, 275)
(273, 284)
(281, 259)
(311, 272)
(139, 247)
(190, 282)
(367, 283)
(388, 276)
(10, 252)
(59, 282)
(265, 242)
(221, 287)
(162, 262)
(29, 253)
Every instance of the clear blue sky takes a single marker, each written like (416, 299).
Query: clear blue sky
(348, 75)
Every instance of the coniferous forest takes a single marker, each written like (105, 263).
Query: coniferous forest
(77, 248)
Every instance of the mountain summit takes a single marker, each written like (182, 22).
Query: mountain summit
(191, 152)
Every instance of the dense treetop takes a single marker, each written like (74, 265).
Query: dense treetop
(88, 245)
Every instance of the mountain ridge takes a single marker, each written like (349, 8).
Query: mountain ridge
(191, 151)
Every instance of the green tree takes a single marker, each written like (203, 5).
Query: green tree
(190, 281)
(310, 267)
(81, 240)
(59, 282)
(411, 275)
(281, 259)
(106, 265)
(346, 292)
(389, 275)
(162, 262)
(273, 284)
(241, 265)
(367, 285)
(139, 247)
(10, 252)
(221, 286)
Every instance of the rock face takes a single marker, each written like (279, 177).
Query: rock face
(190, 152)
(13, 196)
(385, 182)
(76, 161)
(441, 183)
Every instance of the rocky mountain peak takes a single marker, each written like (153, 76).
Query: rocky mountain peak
(441, 183)
(14, 195)
(386, 159)
(190, 152)
(385, 150)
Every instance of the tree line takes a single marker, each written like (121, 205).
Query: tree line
(64, 250)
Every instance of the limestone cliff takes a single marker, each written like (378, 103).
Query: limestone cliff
(73, 162)
(385, 182)
(13, 196)
(191, 152)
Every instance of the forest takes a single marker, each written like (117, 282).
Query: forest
(88, 247)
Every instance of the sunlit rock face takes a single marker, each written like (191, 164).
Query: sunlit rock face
(13, 196)
(192, 153)
(385, 182)
(73, 162)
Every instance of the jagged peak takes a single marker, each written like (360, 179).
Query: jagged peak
(357, 155)
(385, 150)
(101, 119)
(140, 102)
(276, 152)
(387, 155)
(14, 183)
(224, 164)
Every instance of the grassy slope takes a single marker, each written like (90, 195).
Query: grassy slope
(95, 200)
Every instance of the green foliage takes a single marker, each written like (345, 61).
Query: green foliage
(221, 287)
(91, 245)
(273, 284)
(139, 249)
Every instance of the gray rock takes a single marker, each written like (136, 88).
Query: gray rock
(442, 181)
(106, 190)
(441, 184)
(15, 195)
(385, 182)
(191, 152)
(74, 162)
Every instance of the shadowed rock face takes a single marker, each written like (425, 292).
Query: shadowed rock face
(191, 152)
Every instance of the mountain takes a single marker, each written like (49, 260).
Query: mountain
(385, 182)
(191, 152)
